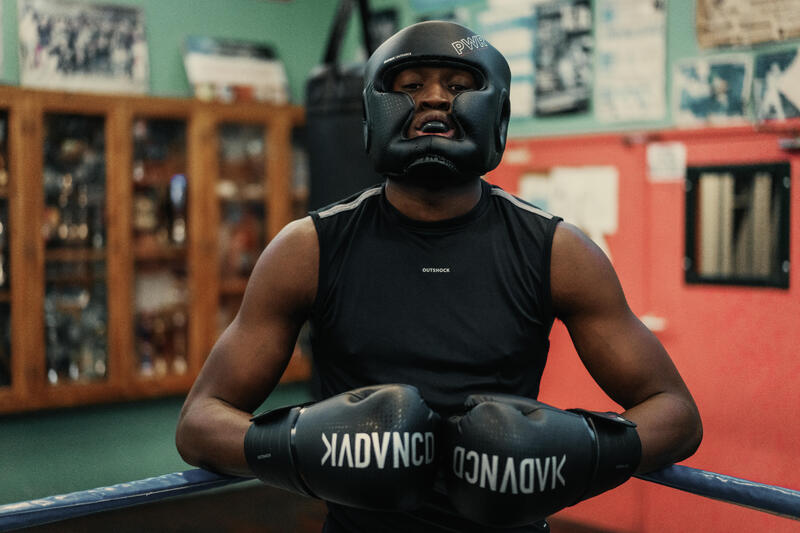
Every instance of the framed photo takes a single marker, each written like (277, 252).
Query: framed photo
(80, 46)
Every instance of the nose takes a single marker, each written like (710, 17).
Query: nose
(435, 96)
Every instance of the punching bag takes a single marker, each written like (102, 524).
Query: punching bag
(338, 164)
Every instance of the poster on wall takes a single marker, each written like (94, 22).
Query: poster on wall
(711, 90)
(563, 57)
(509, 27)
(745, 22)
(776, 85)
(587, 196)
(81, 46)
(630, 78)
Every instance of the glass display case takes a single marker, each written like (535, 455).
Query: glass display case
(5, 295)
(241, 190)
(160, 240)
(301, 173)
(73, 230)
(123, 285)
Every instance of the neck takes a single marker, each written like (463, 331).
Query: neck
(427, 205)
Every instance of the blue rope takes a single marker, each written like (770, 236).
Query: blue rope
(768, 498)
(61, 507)
(771, 499)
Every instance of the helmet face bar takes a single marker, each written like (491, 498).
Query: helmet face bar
(481, 115)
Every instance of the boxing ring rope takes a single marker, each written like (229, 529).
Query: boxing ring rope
(75, 504)
(768, 498)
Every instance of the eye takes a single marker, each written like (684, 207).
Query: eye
(458, 88)
(410, 86)
(461, 82)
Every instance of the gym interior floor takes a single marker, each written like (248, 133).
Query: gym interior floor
(254, 508)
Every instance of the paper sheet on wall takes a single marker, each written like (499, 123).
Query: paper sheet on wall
(744, 22)
(666, 161)
(509, 27)
(630, 60)
(563, 52)
(535, 187)
(776, 85)
(789, 83)
(584, 196)
(711, 90)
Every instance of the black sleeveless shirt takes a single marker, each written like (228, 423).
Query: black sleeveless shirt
(452, 307)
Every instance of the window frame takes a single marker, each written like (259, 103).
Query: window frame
(780, 274)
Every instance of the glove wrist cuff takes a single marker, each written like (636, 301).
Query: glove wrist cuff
(269, 450)
(618, 450)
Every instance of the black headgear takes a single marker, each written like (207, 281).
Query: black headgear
(481, 115)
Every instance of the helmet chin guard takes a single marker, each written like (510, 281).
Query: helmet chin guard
(481, 115)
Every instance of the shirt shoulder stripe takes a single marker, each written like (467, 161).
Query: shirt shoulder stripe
(519, 203)
(349, 206)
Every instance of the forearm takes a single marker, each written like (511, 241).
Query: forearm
(210, 435)
(669, 427)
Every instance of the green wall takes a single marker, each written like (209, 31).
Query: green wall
(81, 448)
(681, 43)
(297, 30)
(63, 451)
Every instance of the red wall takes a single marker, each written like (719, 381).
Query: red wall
(736, 347)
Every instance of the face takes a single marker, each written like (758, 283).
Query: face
(433, 90)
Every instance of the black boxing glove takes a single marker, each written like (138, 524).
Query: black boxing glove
(513, 461)
(371, 448)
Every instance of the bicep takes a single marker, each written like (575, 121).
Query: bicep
(251, 354)
(622, 355)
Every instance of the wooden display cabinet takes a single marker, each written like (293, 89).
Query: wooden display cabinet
(5, 293)
(128, 227)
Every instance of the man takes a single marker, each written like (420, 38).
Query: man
(444, 283)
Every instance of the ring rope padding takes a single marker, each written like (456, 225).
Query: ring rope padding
(772, 499)
(61, 507)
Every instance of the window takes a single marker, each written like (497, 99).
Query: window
(737, 224)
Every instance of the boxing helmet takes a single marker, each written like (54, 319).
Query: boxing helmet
(481, 116)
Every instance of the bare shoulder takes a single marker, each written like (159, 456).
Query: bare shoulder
(288, 266)
(299, 235)
(581, 274)
(571, 243)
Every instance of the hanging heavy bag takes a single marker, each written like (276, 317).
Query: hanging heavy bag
(338, 165)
